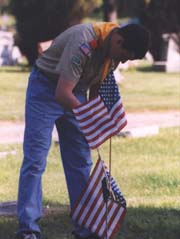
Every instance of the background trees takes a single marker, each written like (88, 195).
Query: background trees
(110, 8)
(161, 16)
(41, 20)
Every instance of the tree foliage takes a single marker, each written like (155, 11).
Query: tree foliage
(42, 20)
(110, 8)
(48, 18)
(161, 16)
(4, 5)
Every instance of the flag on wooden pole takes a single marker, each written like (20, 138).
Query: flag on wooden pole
(91, 209)
(103, 116)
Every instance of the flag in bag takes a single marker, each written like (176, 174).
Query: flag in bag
(96, 212)
(103, 116)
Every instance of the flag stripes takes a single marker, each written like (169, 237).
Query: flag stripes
(103, 116)
(90, 210)
(99, 125)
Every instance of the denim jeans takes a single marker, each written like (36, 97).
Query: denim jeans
(41, 114)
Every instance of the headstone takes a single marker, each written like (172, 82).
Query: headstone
(159, 66)
(9, 53)
(118, 76)
(140, 132)
(10, 209)
(170, 54)
(124, 66)
(173, 54)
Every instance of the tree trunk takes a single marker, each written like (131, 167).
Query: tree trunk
(43, 20)
(110, 10)
(160, 17)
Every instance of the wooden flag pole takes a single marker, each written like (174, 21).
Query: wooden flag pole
(107, 220)
(109, 184)
(110, 154)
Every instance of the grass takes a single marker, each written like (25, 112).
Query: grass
(8, 21)
(13, 83)
(146, 169)
(141, 91)
(150, 90)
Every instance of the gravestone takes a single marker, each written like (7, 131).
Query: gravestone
(9, 53)
(8, 208)
(173, 54)
(170, 55)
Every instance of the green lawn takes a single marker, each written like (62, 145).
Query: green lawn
(146, 169)
(148, 90)
(141, 90)
(13, 82)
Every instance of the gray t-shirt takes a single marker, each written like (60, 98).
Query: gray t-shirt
(70, 55)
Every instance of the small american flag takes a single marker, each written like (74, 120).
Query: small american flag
(92, 212)
(103, 116)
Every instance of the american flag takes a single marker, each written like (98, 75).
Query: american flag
(103, 116)
(92, 212)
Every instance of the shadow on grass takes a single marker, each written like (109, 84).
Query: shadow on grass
(139, 223)
(150, 68)
(15, 69)
(150, 223)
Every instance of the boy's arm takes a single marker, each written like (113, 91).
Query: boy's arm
(94, 90)
(64, 94)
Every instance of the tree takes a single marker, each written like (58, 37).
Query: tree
(42, 20)
(110, 10)
(161, 16)
(3, 5)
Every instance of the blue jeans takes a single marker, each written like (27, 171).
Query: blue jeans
(42, 112)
